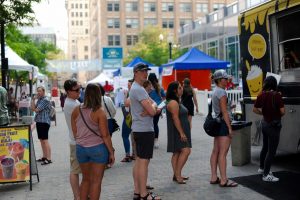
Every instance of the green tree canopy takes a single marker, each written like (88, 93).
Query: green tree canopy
(151, 49)
(34, 53)
(18, 12)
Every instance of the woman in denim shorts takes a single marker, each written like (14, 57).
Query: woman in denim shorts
(223, 140)
(93, 142)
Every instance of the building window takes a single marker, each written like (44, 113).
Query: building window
(72, 14)
(232, 9)
(76, 14)
(167, 7)
(76, 23)
(72, 22)
(80, 14)
(168, 23)
(185, 7)
(217, 6)
(86, 31)
(74, 57)
(86, 6)
(72, 5)
(86, 48)
(80, 5)
(114, 40)
(113, 7)
(131, 40)
(132, 23)
(212, 49)
(202, 7)
(86, 57)
(113, 23)
(86, 14)
(81, 23)
(149, 7)
(150, 21)
(76, 5)
(232, 55)
(185, 21)
(132, 7)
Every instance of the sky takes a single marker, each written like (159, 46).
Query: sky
(52, 13)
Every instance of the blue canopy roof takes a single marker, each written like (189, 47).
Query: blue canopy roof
(196, 59)
(137, 60)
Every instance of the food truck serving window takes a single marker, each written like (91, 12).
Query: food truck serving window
(289, 40)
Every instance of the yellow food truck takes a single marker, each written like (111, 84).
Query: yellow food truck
(270, 43)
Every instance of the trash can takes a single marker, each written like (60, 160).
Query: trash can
(241, 143)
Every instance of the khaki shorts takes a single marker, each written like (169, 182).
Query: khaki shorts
(74, 165)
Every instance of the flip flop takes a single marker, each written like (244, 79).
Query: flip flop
(217, 181)
(126, 159)
(229, 184)
(46, 162)
(185, 178)
(136, 196)
(41, 159)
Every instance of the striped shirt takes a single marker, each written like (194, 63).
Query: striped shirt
(44, 107)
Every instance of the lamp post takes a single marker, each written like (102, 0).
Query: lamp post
(170, 51)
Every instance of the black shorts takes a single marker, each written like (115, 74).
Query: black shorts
(144, 144)
(42, 130)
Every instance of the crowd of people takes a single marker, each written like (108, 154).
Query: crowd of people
(90, 124)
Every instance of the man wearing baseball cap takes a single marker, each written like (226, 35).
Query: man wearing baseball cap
(142, 110)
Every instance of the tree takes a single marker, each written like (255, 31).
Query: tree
(150, 48)
(17, 12)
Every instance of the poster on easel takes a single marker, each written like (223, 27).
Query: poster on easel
(16, 154)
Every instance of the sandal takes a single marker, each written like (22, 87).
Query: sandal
(149, 187)
(126, 159)
(185, 178)
(180, 182)
(132, 157)
(153, 197)
(217, 181)
(42, 159)
(136, 196)
(46, 162)
(229, 184)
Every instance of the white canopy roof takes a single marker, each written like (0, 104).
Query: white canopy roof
(101, 78)
(15, 62)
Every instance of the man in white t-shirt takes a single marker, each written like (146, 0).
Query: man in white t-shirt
(72, 89)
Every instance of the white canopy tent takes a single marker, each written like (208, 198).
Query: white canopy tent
(101, 78)
(15, 62)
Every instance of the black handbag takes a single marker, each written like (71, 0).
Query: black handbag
(115, 125)
(211, 125)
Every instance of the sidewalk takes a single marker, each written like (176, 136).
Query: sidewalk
(118, 184)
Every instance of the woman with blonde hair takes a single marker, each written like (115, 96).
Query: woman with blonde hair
(93, 142)
(42, 109)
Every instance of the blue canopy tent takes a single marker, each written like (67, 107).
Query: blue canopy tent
(194, 65)
(133, 63)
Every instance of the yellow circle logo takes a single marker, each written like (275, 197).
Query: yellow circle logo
(257, 46)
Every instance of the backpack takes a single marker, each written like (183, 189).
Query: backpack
(211, 125)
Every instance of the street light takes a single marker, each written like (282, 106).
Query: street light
(161, 38)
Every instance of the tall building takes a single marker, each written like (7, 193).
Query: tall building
(94, 24)
(78, 12)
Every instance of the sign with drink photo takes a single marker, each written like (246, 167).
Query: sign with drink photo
(14, 154)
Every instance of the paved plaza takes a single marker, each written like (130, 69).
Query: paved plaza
(118, 184)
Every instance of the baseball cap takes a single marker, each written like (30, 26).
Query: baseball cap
(140, 67)
(219, 74)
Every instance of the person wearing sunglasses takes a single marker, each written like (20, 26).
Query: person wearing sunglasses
(72, 89)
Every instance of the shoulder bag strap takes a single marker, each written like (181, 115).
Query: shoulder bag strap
(86, 123)
(107, 109)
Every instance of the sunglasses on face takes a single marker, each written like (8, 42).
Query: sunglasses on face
(76, 90)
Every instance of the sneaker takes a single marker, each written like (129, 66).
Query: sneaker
(270, 178)
(260, 170)
(156, 144)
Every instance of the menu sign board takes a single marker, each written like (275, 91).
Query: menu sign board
(14, 154)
